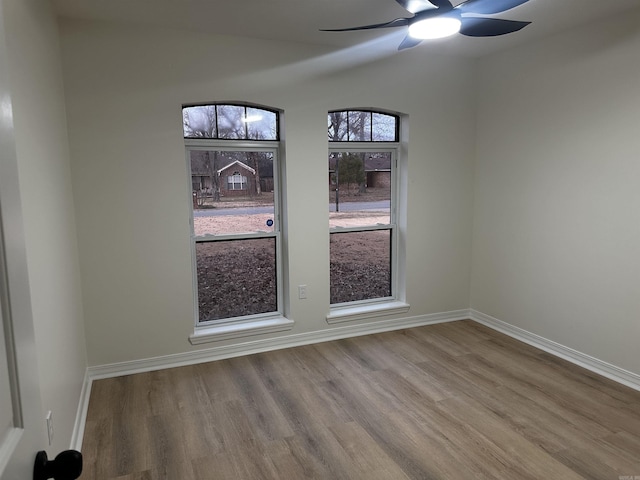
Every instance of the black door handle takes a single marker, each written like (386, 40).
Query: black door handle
(66, 466)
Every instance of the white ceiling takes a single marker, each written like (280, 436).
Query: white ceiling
(300, 20)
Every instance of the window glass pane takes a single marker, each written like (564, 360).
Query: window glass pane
(384, 128)
(199, 122)
(230, 122)
(360, 266)
(359, 189)
(359, 126)
(337, 126)
(236, 278)
(233, 192)
(261, 124)
(362, 126)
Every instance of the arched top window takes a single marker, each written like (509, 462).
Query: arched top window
(230, 122)
(362, 126)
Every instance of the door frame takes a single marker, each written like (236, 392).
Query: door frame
(26, 435)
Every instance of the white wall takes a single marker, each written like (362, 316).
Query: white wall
(45, 183)
(557, 200)
(125, 87)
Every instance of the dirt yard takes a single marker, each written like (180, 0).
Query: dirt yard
(237, 277)
(360, 266)
(254, 223)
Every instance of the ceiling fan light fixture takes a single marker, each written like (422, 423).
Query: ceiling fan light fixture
(441, 18)
(436, 27)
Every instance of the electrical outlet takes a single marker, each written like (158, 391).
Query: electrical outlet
(302, 292)
(49, 419)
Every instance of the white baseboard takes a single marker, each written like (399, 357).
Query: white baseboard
(593, 364)
(265, 345)
(77, 435)
(605, 369)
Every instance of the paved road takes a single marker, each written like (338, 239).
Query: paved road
(215, 212)
(344, 207)
(358, 206)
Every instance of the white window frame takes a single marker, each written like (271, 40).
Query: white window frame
(396, 303)
(222, 329)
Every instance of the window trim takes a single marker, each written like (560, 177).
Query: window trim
(240, 329)
(360, 309)
(234, 327)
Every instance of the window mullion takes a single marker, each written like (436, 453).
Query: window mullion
(368, 228)
(234, 236)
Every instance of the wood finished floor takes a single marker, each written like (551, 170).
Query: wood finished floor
(447, 401)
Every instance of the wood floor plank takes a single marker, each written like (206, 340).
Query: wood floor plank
(624, 442)
(99, 444)
(401, 343)
(391, 361)
(202, 432)
(145, 475)
(528, 458)
(579, 397)
(516, 383)
(346, 361)
(453, 371)
(306, 403)
(132, 445)
(443, 339)
(260, 407)
(598, 458)
(446, 401)
(286, 465)
(317, 448)
(247, 461)
(601, 384)
(171, 471)
(166, 439)
(370, 461)
(548, 429)
(218, 381)
(467, 447)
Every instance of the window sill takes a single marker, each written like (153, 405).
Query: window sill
(216, 333)
(363, 312)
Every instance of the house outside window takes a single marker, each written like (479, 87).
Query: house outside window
(232, 154)
(363, 183)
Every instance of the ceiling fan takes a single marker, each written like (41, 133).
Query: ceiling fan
(439, 18)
